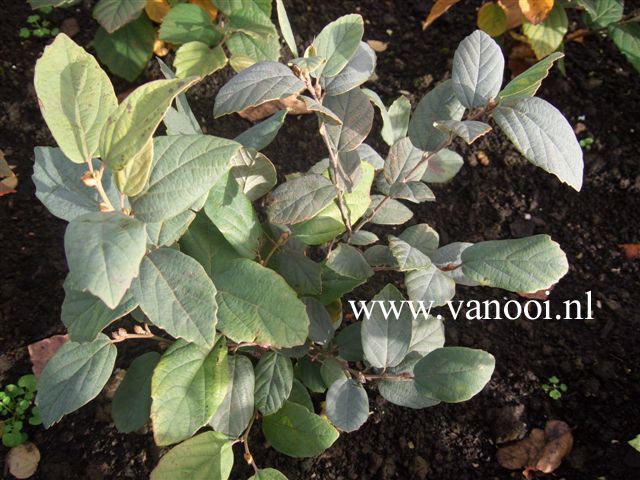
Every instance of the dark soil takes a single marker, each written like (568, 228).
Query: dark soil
(597, 359)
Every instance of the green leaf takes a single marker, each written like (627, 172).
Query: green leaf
(331, 371)
(131, 404)
(237, 408)
(427, 334)
(127, 50)
(302, 273)
(356, 113)
(207, 456)
(188, 386)
(402, 163)
(601, 13)
(349, 342)
(74, 376)
(369, 155)
(185, 168)
(198, 59)
(321, 329)
(478, 66)
(443, 167)
(547, 36)
(357, 71)
(296, 432)
(168, 232)
(349, 262)
(274, 377)
(114, 14)
(422, 237)
(308, 372)
(334, 285)
(430, 284)
(300, 395)
(246, 50)
(189, 23)
(231, 211)
(232, 7)
(468, 130)
(338, 42)
(300, 199)
(133, 177)
(363, 238)
(254, 172)
(347, 405)
(524, 265)
(262, 134)
(268, 473)
(252, 21)
(492, 19)
(627, 39)
(635, 443)
(327, 224)
(391, 213)
(308, 64)
(285, 28)
(270, 315)
(204, 242)
(256, 85)
(543, 136)
(386, 338)
(176, 294)
(131, 126)
(60, 188)
(324, 114)
(448, 258)
(439, 104)
(408, 257)
(75, 97)
(405, 393)
(85, 316)
(453, 374)
(180, 120)
(398, 124)
(104, 251)
(528, 82)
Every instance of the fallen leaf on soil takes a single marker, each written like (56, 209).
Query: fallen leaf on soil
(578, 35)
(579, 128)
(514, 14)
(440, 7)
(257, 113)
(70, 27)
(8, 179)
(377, 45)
(631, 250)
(536, 10)
(41, 352)
(541, 452)
(521, 57)
(157, 9)
(22, 461)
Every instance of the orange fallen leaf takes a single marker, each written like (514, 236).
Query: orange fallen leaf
(540, 452)
(438, 9)
(514, 14)
(207, 6)
(536, 10)
(41, 352)
(631, 250)
(377, 45)
(157, 9)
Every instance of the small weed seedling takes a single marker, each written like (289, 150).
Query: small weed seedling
(554, 388)
(16, 408)
(38, 27)
(237, 282)
(587, 142)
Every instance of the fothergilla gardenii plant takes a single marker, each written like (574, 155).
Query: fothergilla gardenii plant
(243, 316)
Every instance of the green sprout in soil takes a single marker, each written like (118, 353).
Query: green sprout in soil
(16, 407)
(635, 443)
(587, 142)
(38, 26)
(554, 388)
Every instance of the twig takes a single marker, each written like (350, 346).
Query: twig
(284, 237)
(245, 440)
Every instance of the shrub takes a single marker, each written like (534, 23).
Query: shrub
(168, 229)
(128, 35)
(545, 23)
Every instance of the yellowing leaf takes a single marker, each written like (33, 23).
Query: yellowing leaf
(207, 6)
(492, 19)
(157, 9)
(439, 8)
(536, 10)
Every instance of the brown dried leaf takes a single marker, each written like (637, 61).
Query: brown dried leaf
(522, 453)
(439, 8)
(521, 58)
(377, 45)
(514, 14)
(41, 352)
(22, 461)
(70, 27)
(559, 444)
(536, 10)
(257, 113)
(157, 9)
(631, 250)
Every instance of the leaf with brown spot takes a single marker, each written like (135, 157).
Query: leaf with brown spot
(438, 9)
(41, 352)
(536, 10)
(264, 110)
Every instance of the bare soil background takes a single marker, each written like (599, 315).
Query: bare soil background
(599, 359)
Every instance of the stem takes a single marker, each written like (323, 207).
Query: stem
(245, 440)
(284, 237)
(97, 176)
(365, 377)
